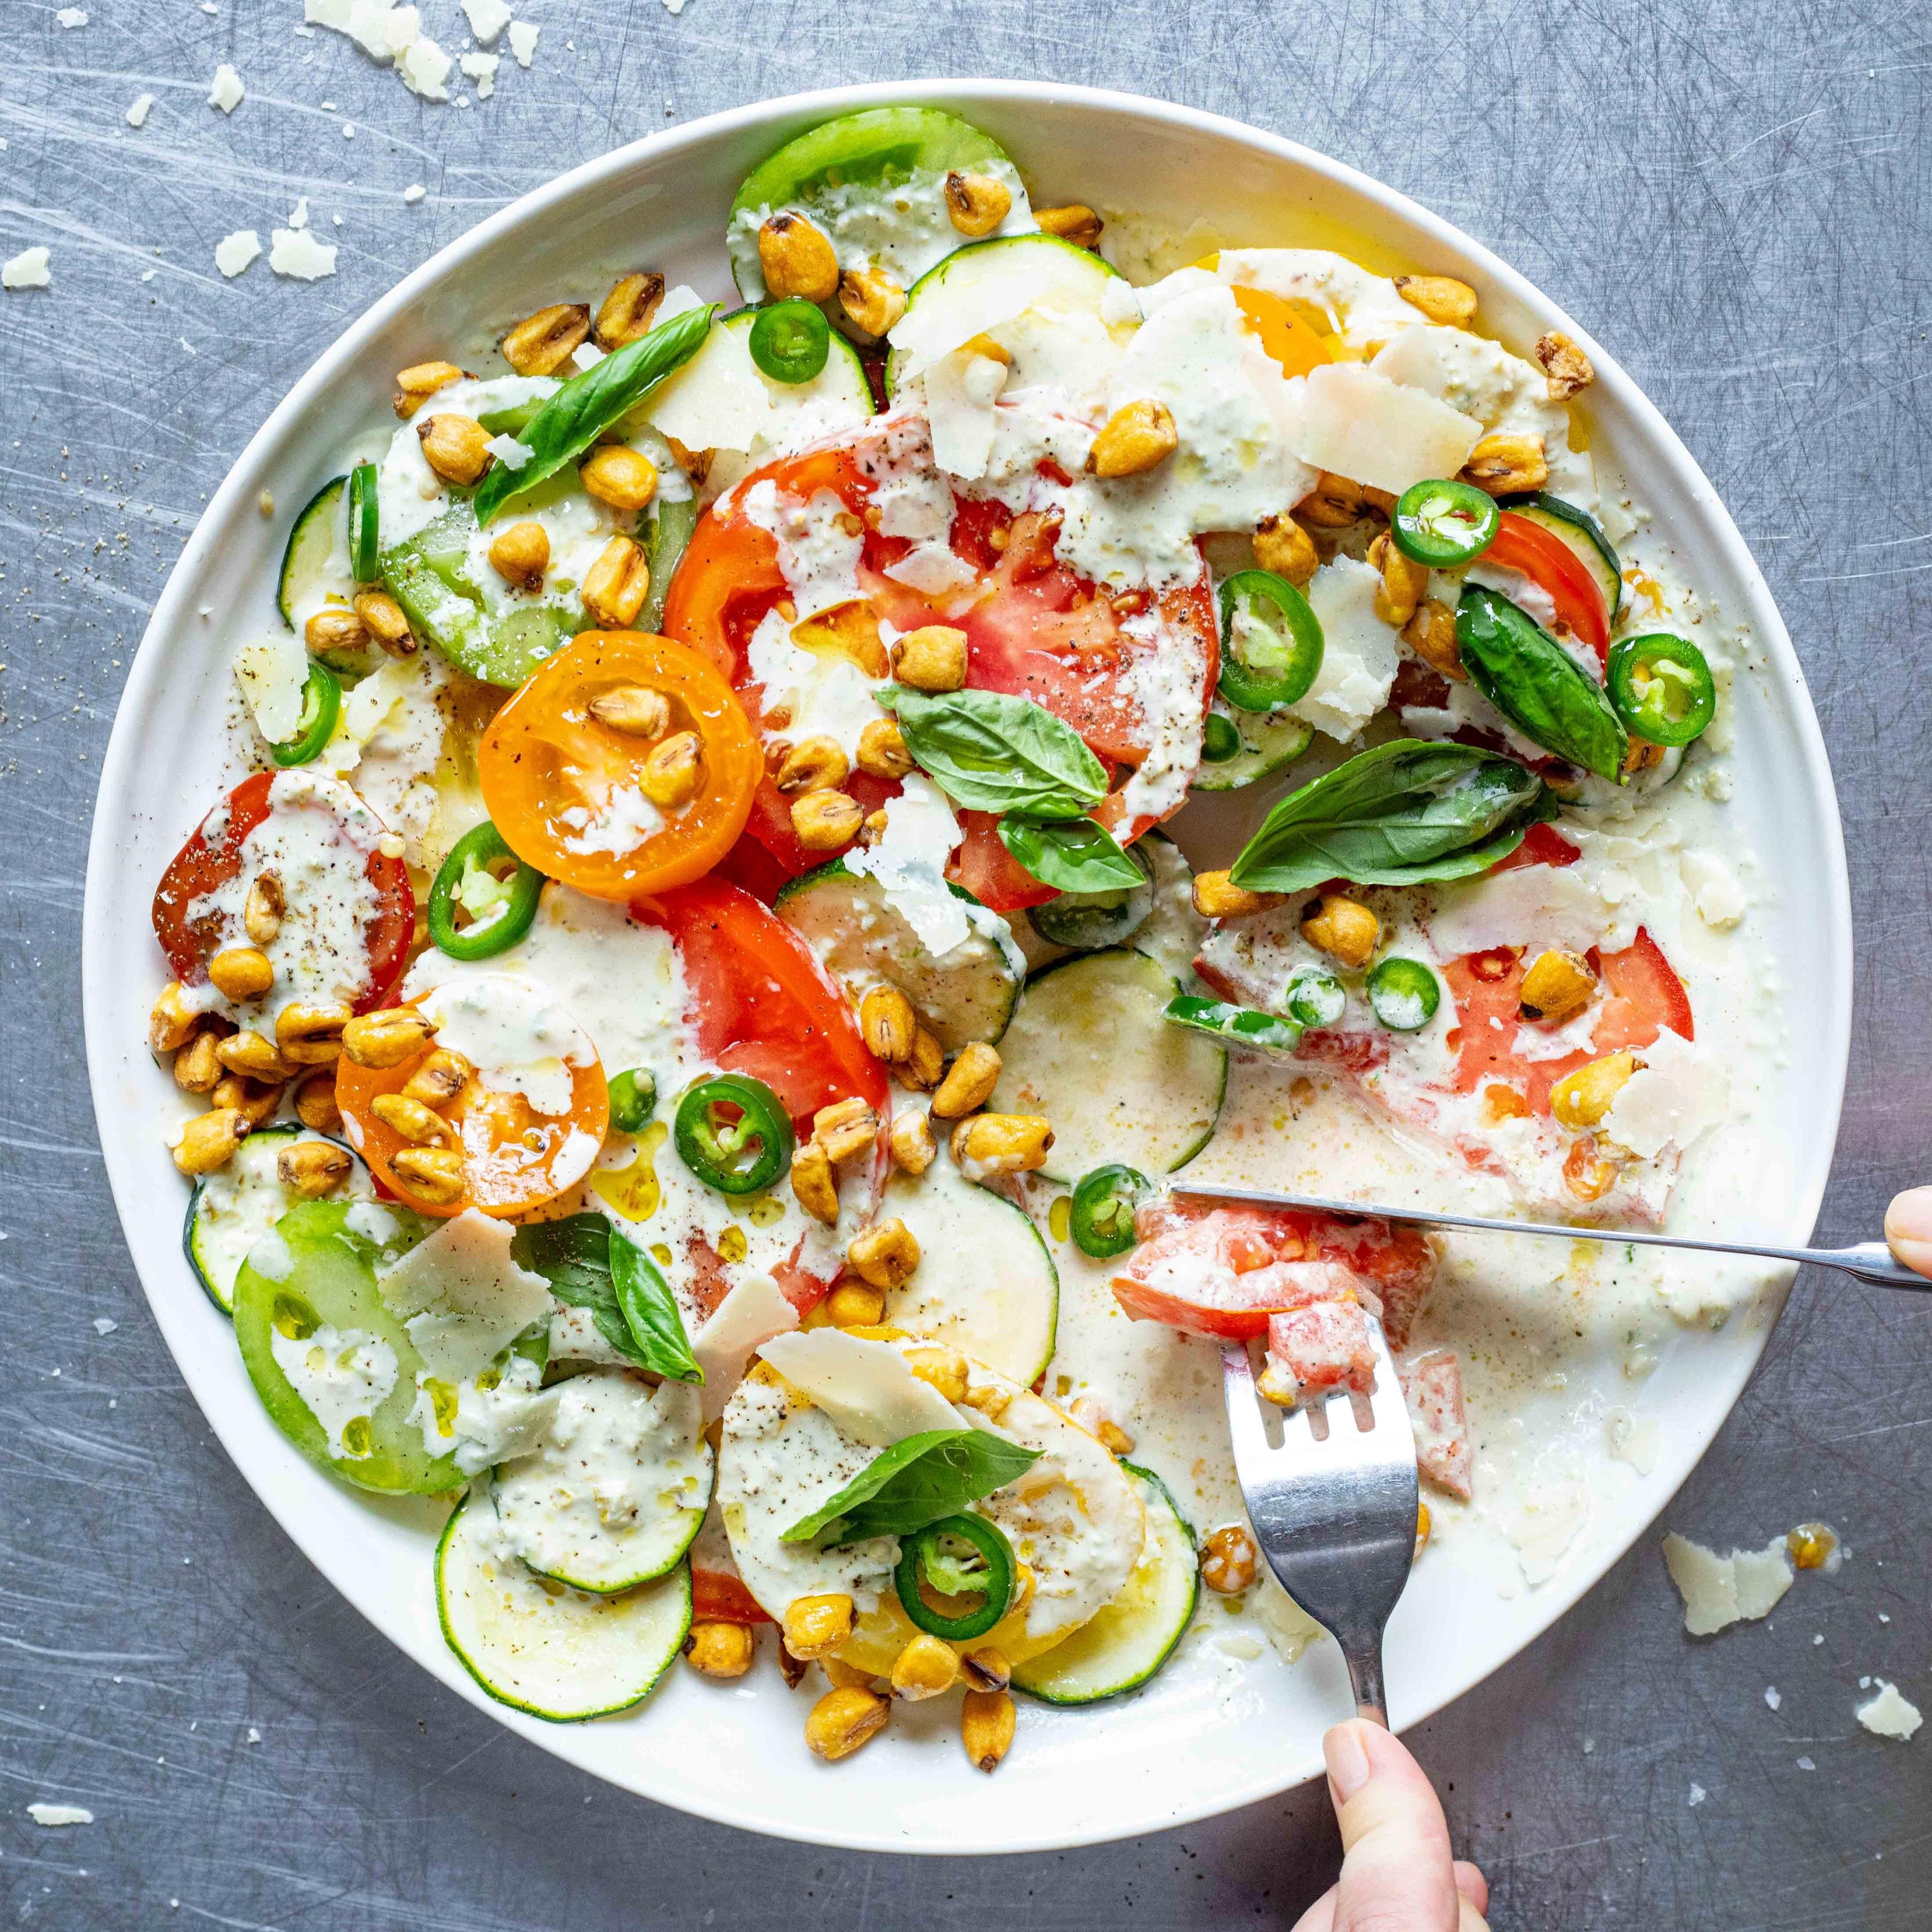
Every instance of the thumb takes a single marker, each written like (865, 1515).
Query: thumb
(1908, 1229)
(1396, 1868)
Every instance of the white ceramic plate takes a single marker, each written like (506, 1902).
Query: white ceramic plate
(1184, 1749)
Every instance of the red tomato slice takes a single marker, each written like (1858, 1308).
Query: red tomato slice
(719, 1598)
(1549, 563)
(212, 856)
(991, 873)
(1542, 845)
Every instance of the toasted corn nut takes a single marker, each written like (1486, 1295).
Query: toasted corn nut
(985, 1668)
(198, 1065)
(315, 1104)
(1136, 438)
(969, 1082)
(241, 972)
(457, 447)
(817, 765)
(254, 1100)
(823, 820)
(845, 1128)
(416, 384)
(209, 1140)
(1503, 465)
(1589, 1172)
(627, 311)
(976, 204)
(845, 1719)
(1810, 1545)
(990, 1399)
(843, 1676)
(313, 1169)
(720, 1650)
(616, 586)
(1403, 582)
(1334, 503)
(633, 710)
(855, 1305)
(251, 1054)
(1441, 298)
(932, 658)
(1282, 546)
(1097, 1423)
(335, 629)
(911, 1141)
(1422, 1528)
(1431, 635)
(262, 912)
(382, 618)
(942, 1369)
(387, 1037)
(309, 1033)
(885, 1254)
(792, 1668)
(1581, 1099)
(816, 1626)
(1276, 1384)
(872, 300)
(797, 260)
(987, 1719)
(1501, 1103)
(442, 1076)
(1568, 369)
(921, 1068)
(1557, 987)
(1342, 928)
(172, 1021)
(520, 555)
(415, 1122)
(882, 750)
(542, 343)
(888, 1023)
(1216, 896)
(672, 770)
(1228, 1559)
(435, 1174)
(1642, 756)
(1076, 222)
(813, 1184)
(928, 1666)
(1001, 1144)
(625, 479)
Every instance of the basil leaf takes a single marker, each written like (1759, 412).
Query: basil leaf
(927, 1477)
(1075, 854)
(991, 752)
(1406, 813)
(650, 1310)
(1535, 683)
(587, 405)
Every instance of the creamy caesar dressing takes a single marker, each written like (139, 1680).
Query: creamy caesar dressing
(238, 1204)
(343, 1376)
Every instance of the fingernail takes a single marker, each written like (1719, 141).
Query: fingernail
(1910, 1216)
(1348, 1763)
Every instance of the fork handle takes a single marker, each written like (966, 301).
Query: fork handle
(1362, 1652)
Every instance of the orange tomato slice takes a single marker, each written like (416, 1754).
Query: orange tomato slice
(1285, 338)
(564, 789)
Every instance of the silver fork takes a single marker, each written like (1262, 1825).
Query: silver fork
(1330, 1489)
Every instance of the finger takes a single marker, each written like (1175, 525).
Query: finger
(1320, 1917)
(1471, 1885)
(1396, 1869)
(1908, 1229)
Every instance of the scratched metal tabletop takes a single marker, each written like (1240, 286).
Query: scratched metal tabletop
(1735, 196)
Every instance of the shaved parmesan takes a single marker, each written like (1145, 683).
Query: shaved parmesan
(296, 253)
(933, 569)
(866, 1388)
(272, 671)
(1360, 424)
(464, 1299)
(26, 270)
(960, 391)
(1720, 1591)
(488, 19)
(929, 330)
(754, 1311)
(1358, 657)
(481, 68)
(716, 400)
(424, 68)
(226, 91)
(233, 253)
(1533, 907)
(1673, 1097)
(1889, 1715)
(1713, 889)
(60, 1814)
(523, 44)
(137, 109)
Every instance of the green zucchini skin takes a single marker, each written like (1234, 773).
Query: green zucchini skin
(1582, 533)
(1086, 921)
(1270, 743)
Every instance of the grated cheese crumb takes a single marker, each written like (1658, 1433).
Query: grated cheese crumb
(297, 254)
(523, 39)
(414, 193)
(27, 270)
(1720, 1591)
(481, 68)
(72, 16)
(1889, 1715)
(137, 110)
(226, 91)
(60, 1814)
(233, 253)
(424, 68)
(488, 19)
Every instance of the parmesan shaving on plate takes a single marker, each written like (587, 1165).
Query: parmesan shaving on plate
(1720, 1591)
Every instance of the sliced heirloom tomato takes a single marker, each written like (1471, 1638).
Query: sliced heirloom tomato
(564, 787)
(522, 1133)
(1550, 564)
(717, 1596)
(213, 856)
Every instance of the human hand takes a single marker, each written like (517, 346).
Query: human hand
(1396, 1873)
(1908, 1229)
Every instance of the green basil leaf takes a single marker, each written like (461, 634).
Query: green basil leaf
(927, 1477)
(1075, 854)
(1407, 813)
(991, 752)
(1535, 683)
(574, 1255)
(650, 1311)
(587, 405)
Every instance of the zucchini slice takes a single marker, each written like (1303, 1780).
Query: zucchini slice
(315, 568)
(1137, 1633)
(1084, 922)
(560, 1654)
(861, 939)
(306, 1306)
(985, 1283)
(1054, 275)
(232, 1208)
(1089, 1048)
(1583, 534)
(1269, 741)
(620, 1504)
(873, 183)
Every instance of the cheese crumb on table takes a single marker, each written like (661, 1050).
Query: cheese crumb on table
(297, 253)
(481, 68)
(414, 193)
(137, 109)
(233, 253)
(60, 1814)
(72, 16)
(27, 270)
(1889, 1715)
(226, 91)
(524, 40)
(488, 19)
(1720, 1591)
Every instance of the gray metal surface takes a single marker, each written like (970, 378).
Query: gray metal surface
(1735, 196)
